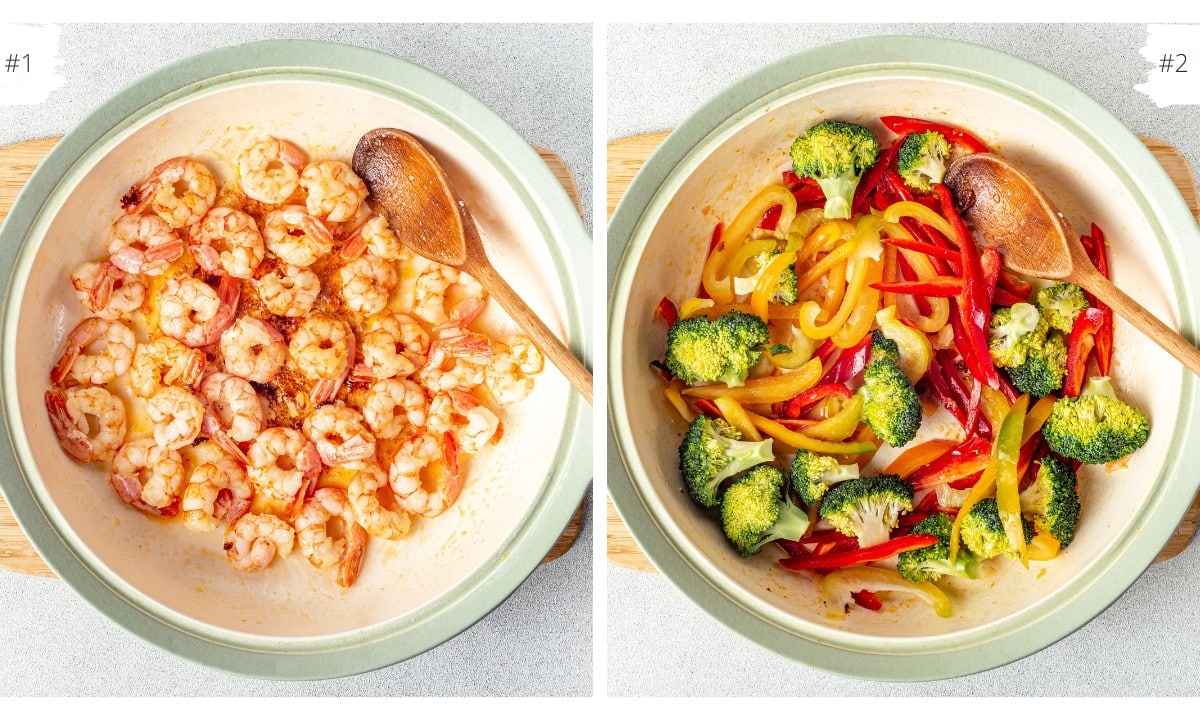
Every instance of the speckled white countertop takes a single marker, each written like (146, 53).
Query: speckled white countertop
(659, 643)
(539, 641)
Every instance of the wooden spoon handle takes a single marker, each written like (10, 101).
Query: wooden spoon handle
(1150, 326)
(542, 336)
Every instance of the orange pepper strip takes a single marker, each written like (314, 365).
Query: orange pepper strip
(764, 390)
(671, 392)
(916, 457)
(801, 441)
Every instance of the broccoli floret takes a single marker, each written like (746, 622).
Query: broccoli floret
(891, 406)
(1095, 427)
(1013, 330)
(922, 160)
(883, 347)
(712, 451)
(813, 474)
(1052, 501)
(1044, 367)
(868, 508)
(724, 350)
(929, 564)
(1060, 304)
(785, 287)
(983, 533)
(755, 511)
(835, 154)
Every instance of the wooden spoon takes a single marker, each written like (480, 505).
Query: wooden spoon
(412, 191)
(1007, 210)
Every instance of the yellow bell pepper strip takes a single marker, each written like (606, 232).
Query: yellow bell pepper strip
(837, 589)
(765, 287)
(694, 306)
(802, 349)
(914, 209)
(777, 312)
(841, 424)
(823, 238)
(862, 316)
(918, 456)
(764, 390)
(916, 352)
(1043, 547)
(889, 275)
(801, 441)
(810, 276)
(863, 272)
(671, 392)
(1036, 417)
(1008, 453)
(755, 247)
(995, 406)
(835, 290)
(716, 280)
(735, 415)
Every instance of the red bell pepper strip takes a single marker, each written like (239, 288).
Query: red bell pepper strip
(867, 600)
(934, 251)
(936, 380)
(793, 548)
(826, 536)
(661, 367)
(800, 404)
(934, 287)
(1014, 285)
(898, 124)
(974, 306)
(860, 556)
(825, 350)
(666, 311)
(964, 452)
(1104, 338)
(910, 275)
(1083, 339)
(973, 413)
(850, 363)
(896, 184)
(806, 194)
(716, 237)
(708, 407)
(796, 424)
(990, 260)
(790, 178)
(870, 179)
(1006, 298)
(770, 218)
(967, 482)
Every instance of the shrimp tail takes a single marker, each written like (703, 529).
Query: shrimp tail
(76, 443)
(352, 555)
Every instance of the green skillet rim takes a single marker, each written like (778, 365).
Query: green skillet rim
(561, 229)
(1045, 622)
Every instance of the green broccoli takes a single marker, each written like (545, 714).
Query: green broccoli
(1060, 304)
(983, 533)
(835, 154)
(922, 160)
(713, 451)
(755, 512)
(929, 564)
(1095, 427)
(724, 350)
(891, 406)
(1013, 330)
(1044, 367)
(813, 474)
(1052, 501)
(868, 508)
(883, 347)
(785, 287)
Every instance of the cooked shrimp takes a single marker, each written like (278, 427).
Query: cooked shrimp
(233, 412)
(339, 434)
(313, 535)
(374, 235)
(253, 349)
(457, 361)
(271, 170)
(217, 491)
(394, 346)
(334, 191)
(284, 465)
(367, 283)
(192, 312)
(180, 191)
(114, 342)
(143, 244)
(461, 414)
(148, 477)
(393, 403)
(252, 542)
(89, 422)
(295, 236)
(323, 349)
(510, 373)
(164, 361)
(227, 241)
(289, 290)
(363, 494)
(108, 291)
(404, 475)
(177, 415)
(432, 287)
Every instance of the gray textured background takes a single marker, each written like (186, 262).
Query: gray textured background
(659, 643)
(539, 641)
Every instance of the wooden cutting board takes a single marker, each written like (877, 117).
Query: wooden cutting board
(17, 163)
(625, 158)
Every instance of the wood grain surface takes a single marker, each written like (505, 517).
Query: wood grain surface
(17, 163)
(625, 158)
